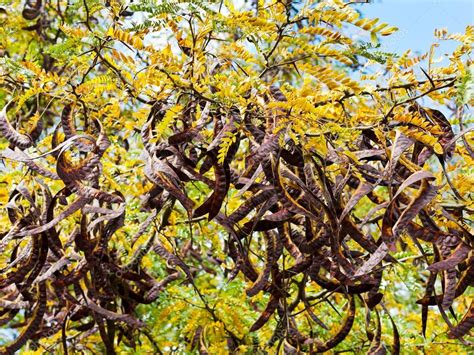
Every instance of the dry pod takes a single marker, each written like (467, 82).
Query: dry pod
(31, 10)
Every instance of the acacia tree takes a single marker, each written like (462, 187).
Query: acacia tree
(199, 176)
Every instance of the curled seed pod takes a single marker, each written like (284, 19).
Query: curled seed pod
(267, 313)
(33, 325)
(465, 325)
(343, 331)
(32, 9)
(6, 129)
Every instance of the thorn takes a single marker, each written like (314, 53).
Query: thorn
(431, 80)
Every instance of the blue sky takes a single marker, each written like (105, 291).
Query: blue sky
(417, 20)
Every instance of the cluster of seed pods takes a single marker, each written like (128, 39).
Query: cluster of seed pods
(288, 197)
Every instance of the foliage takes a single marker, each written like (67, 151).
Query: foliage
(214, 177)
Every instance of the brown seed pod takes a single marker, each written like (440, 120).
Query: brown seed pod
(32, 9)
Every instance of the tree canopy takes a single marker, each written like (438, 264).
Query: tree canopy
(217, 177)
